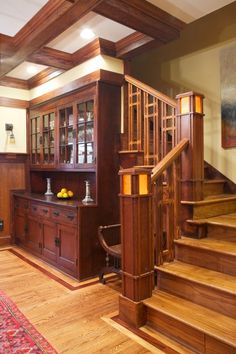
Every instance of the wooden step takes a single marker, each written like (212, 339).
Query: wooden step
(212, 254)
(212, 206)
(200, 285)
(213, 187)
(200, 329)
(218, 227)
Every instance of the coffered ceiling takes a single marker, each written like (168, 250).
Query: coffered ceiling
(39, 38)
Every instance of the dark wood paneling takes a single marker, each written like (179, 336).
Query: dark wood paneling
(13, 176)
(13, 102)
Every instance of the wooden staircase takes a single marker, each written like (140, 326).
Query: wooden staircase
(194, 302)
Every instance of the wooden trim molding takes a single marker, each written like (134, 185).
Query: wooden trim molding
(13, 103)
(99, 75)
(9, 157)
(44, 76)
(13, 82)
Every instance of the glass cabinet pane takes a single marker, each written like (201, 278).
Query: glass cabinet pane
(48, 138)
(66, 136)
(35, 140)
(85, 133)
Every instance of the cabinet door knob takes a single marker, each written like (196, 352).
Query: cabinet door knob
(45, 211)
(70, 217)
(56, 213)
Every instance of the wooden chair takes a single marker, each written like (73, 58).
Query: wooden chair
(109, 238)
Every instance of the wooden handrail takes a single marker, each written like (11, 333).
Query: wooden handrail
(150, 90)
(169, 159)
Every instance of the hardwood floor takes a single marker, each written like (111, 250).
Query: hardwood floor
(72, 321)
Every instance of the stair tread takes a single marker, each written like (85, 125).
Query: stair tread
(205, 320)
(211, 199)
(220, 220)
(212, 181)
(215, 245)
(200, 275)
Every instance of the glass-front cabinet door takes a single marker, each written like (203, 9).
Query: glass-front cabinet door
(42, 139)
(85, 134)
(48, 139)
(35, 137)
(66, 136)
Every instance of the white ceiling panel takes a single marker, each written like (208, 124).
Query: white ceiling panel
(26, 70)
(70, 40)
(14, 14)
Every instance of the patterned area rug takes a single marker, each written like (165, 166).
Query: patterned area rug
(17, 334)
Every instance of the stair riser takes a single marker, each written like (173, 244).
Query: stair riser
(182, 333)
(219, 262)
(198, 293)
(187, 335)
(221, 232)
(213, 189)
(214, 209)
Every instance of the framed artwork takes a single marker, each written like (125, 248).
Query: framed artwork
(228, 97)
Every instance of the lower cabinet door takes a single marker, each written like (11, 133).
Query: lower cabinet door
(20, 227)
(34, 235)
(49, 244)
(67, 248)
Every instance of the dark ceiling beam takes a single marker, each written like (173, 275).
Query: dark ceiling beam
(54, 18)
(52, 57)
(143, 17)
(135, 44)
(7, 47)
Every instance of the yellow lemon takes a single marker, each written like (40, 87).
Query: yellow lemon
(70, 194)
(65, 195)
(59, 195)
(63, 190)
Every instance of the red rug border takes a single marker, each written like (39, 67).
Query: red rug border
(34, 334)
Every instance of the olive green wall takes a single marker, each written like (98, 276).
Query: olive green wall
(192, 63)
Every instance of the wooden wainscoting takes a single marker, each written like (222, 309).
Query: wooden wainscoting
(13, 172)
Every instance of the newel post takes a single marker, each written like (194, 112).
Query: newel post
(137, 244)
(190, 125)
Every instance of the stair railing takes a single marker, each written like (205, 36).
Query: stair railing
(183, 171)
(150, 121)
(166, 201)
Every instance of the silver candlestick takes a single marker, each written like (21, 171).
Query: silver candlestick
(87, 198)
(49, 191)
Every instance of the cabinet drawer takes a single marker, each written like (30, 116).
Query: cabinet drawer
(21, 206)
(64, 216)
(40, 210)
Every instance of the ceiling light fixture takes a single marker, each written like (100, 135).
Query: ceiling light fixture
(32, 69)
(87, 33)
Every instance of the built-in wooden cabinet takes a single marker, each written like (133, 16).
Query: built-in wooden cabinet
(72, 139)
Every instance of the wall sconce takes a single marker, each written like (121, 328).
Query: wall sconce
(10, 135)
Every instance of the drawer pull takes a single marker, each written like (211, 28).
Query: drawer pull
(70, 217)
(57, 241)
(56, 213)
(45, 211)
(34, 208)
